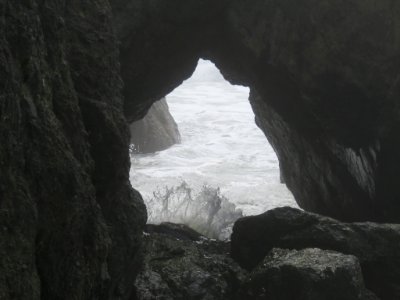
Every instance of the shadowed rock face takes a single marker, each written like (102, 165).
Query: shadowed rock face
(324, 79)
(156, 131)
(70, 223)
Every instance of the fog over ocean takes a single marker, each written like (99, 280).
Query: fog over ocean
(221, 146)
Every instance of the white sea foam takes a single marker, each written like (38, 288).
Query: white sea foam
(221, 146)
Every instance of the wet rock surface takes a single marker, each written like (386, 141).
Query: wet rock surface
(156, 131)
(180, 266)
(377, 246)
(309, 274)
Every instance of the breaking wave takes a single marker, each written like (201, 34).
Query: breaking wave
(206, 210)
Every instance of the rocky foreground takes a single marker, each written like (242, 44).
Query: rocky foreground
(279, 255)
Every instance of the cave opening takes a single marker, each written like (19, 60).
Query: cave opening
(220, 165)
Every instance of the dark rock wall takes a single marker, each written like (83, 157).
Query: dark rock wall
(328, 101)
(70, 222)
(323, 78)
(157, 131)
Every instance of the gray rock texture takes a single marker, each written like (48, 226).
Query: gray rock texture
(156, 131)
(377, 246)
(182, 265)
(309, 274)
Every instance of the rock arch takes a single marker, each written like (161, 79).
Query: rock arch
(324, 86)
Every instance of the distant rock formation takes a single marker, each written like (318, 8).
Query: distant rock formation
(156, 131)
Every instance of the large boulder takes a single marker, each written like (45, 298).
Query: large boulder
(377, 246)
(309, 274)
(156, 131)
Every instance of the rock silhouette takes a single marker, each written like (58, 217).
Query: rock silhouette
(156, 131)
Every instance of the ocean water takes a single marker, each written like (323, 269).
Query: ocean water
(221, 147)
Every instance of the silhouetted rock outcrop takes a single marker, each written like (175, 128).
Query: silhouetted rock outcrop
(173, 230)
(156, 131)
(377, 246)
